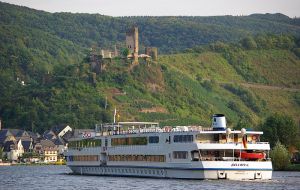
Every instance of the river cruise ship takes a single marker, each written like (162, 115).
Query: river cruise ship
(143, 149)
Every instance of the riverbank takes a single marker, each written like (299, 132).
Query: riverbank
(39, 164)
(294, 167)
(5, 164)
(32, 164)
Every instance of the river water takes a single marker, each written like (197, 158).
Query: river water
(59, 177)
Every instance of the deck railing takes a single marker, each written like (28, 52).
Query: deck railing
(156, 130)
(229, 159)
(221, 142)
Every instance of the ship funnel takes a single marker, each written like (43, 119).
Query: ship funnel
(219, 122)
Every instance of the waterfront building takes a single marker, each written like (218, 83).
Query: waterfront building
(49, 151)
(13, 150)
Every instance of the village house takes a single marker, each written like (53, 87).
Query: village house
(13, 150)
(59, 135)
(49, 151)
(25, 146)
(16, 142)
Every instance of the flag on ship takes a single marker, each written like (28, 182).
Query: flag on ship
(245, 141)
(116, 116)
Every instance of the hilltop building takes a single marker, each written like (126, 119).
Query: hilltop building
(108, 54)
(152, 52)
(132, 43)
(99, 59)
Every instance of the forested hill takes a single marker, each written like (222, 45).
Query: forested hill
(239, 66)
(169, 34)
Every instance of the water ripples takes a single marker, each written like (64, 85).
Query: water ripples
(59, 178)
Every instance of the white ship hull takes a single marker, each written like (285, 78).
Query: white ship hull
(212, 170)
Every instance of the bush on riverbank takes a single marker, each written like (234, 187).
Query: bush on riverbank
(280, 157)
(294, 167)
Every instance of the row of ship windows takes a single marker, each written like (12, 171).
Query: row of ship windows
(85, 158)
(126, 171)
(85, 143)
(145, 158)
(128, 158)
(128, 141)
(183, 138)
(180, 154)
(152, 139)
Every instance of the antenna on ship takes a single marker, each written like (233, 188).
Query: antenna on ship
(115, 114)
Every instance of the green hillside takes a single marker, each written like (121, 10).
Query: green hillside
(181, 89)
(46, 76)
(278, 68)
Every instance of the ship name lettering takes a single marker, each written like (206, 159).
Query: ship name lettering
(239, 164)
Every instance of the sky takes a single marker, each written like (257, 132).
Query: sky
(165, 7)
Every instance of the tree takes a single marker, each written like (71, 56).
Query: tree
(125, 52)
(280, 157)
(1, 153)
(243, 123)
(280, 128)
(249, 43)
(297, 52)
(209, 84)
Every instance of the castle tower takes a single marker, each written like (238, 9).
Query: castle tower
(132, 43)
(151, 51)
(116, 51)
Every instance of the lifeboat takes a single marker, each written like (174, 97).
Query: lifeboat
(253, 155)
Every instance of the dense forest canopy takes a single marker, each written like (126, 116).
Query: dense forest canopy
(169, 34)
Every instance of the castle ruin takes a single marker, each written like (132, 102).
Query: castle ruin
(100, 59)
(152, 52)
(132, 43)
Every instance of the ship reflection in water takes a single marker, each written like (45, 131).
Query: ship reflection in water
(58, 177)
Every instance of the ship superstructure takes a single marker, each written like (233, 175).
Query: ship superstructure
(144, 149)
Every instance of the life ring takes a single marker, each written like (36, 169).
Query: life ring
(86, 135)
